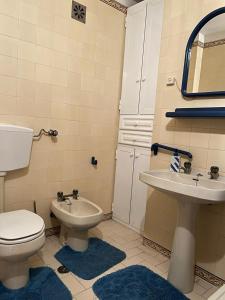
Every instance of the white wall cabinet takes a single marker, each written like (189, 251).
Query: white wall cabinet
(134, 47)
(140, 74)
(123, 183)
(130, 194)
(141, 58)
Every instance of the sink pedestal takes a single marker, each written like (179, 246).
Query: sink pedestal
(182, 264)
(190, 193)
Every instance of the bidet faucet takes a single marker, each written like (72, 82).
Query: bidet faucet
(214, 172)
(61, 197)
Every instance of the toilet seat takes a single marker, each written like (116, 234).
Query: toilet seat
(20, 226)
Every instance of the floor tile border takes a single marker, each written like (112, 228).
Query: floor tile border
(116, 5)
(202, 273)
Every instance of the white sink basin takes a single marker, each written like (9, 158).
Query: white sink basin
(203, 191)
(190, 194)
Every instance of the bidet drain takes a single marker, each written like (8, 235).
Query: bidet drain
(62, 270)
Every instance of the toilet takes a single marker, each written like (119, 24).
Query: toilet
(78, 216)
(22, 234)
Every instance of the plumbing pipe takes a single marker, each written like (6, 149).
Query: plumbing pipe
(2, 192)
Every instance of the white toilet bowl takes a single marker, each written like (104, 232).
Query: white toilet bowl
(21, 235)
(78, 215)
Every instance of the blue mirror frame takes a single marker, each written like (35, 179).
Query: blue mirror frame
(187, 59)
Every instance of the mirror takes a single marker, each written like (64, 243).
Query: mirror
(204, 66)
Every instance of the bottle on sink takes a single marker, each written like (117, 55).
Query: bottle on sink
(175, 162)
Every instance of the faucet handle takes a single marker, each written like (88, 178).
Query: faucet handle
(214, 172)
(187, 167)
(60, 196)
(187, 164)
(75, 194)
(214, 169)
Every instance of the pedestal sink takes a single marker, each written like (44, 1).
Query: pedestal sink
(190, 191)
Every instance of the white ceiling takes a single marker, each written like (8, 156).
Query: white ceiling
(215, 25)
(128, 2)
(214, 29)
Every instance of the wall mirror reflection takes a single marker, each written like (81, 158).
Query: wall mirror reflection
(204, 69)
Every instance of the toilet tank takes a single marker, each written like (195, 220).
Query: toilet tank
(15, 147)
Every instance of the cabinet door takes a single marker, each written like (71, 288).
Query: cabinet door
(134, 42)
(123, 184)
(151, 55)
(139, 190)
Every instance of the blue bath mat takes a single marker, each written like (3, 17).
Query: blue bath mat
(44, 284)
(98, 258)
(135, 283)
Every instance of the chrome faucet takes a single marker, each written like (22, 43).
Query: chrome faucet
(214, 172)
(197, 178)
(61, 197)
(187, 167)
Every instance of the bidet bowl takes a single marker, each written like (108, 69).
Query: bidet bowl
(78, 215)
(81, 214)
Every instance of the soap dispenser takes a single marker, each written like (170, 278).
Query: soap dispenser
(175, 162)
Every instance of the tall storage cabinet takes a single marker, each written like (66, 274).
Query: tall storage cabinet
(153, 29)
(142, 50)
(134, 48)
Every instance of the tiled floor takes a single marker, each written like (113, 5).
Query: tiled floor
(128, 241)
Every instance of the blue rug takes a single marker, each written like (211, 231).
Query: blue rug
(98, 258)
(135, 283)
(44, 284)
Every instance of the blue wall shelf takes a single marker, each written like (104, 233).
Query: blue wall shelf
(200, 112)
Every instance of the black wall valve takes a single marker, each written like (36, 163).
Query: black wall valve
(94, 161)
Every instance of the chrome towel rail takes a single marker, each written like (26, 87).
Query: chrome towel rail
(50, 132)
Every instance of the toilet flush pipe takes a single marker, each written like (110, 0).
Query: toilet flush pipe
(2, 191)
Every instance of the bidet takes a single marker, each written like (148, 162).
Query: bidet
(78, 216)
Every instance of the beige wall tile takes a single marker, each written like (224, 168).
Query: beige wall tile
(199, 138)
(44, 74)
(27, 32)
(8, 85)
(44, 37)
(45, 19)
(8, 66)
(26, 70)
(27, 51)
(28, 12)
(44, 59)
(9, 26)
(10, 8)
(44, 56)
(8, 46)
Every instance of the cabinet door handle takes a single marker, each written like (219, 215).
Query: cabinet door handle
(143, 80)
(137, 156)
(131, 155)
(137, 81)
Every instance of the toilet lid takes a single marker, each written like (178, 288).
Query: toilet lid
(19, 224)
